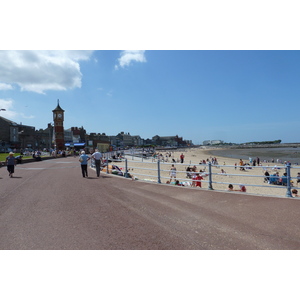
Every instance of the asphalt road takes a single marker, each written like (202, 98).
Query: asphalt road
(49, 205)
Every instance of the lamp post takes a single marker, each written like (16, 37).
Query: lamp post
(21, 135)
(50, 129)
(2, 109)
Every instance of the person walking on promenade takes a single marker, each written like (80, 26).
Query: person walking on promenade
(172, 173)
(97, 156)
(11, 162)
(84, 161)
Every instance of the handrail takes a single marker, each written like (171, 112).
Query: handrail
(158, 170)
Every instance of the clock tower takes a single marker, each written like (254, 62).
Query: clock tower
(58, 118)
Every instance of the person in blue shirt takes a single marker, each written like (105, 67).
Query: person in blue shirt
(11, 162)
(274, 178)
(284, 179)
(84, 161)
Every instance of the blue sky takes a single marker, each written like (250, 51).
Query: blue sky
(235, 96)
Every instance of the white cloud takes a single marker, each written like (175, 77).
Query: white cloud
(26, 117)
(4, 86)
(129, 56)
(109, 94)
(39, 71)
(10, 113)
(7, 104)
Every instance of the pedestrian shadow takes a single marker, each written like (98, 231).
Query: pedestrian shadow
(101, 176)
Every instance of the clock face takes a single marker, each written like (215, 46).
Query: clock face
(59, 115)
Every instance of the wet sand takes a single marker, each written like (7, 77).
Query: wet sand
(284, 154)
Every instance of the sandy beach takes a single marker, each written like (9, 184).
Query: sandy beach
(226, 158)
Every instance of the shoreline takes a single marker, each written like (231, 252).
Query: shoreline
(265, 154)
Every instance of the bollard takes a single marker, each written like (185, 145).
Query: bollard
(209, 177)
(158, 171)
(288, 185)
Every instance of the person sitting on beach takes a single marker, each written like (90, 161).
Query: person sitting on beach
(242, 188)
(295, 193)
(274, 178)
(298, 178)
(178, 183)
(194, 175)
(230, 188)
(283, 179)
(267, 176)
(188, 172)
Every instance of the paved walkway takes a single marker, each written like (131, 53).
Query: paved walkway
(48, 205)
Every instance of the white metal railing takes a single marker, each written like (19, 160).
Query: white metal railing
(212, 180)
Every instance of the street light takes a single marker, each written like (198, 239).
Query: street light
(21, 135)
(2, 142)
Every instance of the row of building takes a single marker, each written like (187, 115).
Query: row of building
(19, 136)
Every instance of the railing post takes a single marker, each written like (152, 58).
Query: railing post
(209, 177)
(107, 163)
(126, 169)
(158, 171)
(288, 184)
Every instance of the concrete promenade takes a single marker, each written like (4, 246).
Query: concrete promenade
(49, 205)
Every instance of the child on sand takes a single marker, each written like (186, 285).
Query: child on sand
(242, 188)
(198, 180)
